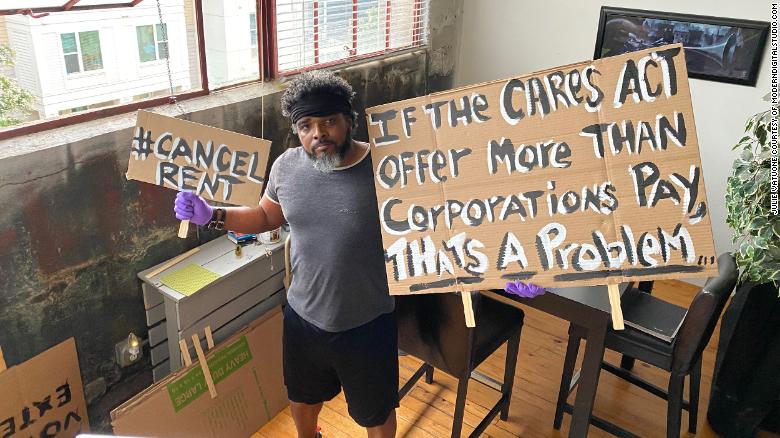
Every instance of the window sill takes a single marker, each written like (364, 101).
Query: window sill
(84, 74)
(152, 63)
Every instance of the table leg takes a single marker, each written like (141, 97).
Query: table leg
(567, 377)
(589, 378)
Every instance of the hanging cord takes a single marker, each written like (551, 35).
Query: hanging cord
(261, 47)
(172, 98)
(164, 29)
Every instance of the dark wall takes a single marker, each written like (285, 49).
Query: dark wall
(74, 232)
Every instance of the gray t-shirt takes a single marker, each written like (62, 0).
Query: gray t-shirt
(336, 257)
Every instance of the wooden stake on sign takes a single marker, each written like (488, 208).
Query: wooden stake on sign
(185, 353)
(184, 228)
(2, 361)
(614, 304)
(173, 261)
(204, 366)
(209, 338)
(468, 309)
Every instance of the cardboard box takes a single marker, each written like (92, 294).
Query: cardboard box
(247, 374)
(44, 396)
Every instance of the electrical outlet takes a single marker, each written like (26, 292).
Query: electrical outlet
(124, 358)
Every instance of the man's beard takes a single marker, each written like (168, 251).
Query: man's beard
(328, 162)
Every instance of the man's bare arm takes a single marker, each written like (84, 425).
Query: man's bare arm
(266, 216)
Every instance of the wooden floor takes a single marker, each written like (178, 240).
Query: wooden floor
(427, 410)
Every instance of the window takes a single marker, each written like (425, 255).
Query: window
(231, 38)
(81, 51)
(216, 44)
(152, 42)
(253, 30)
(112, 43)
(319, 32)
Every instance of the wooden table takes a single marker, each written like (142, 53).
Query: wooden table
(587, 309)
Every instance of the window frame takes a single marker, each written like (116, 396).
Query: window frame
(80, 54)
(266, 46)
(65, 55)
(156, 42)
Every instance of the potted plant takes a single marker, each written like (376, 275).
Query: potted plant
(746, 380)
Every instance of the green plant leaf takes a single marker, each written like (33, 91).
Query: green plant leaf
(761, 134)
(7, 56)
(748, 206)
(742, 173)
(13, 98)
(758, 223)
(749, 124)
(762, 175)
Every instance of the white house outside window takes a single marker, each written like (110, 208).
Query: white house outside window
(253, 29)
(152, 42)
(81, 51)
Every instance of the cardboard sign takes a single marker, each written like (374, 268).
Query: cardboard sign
(578, 175)
(43, 396)
(246, 371)
(219, 165)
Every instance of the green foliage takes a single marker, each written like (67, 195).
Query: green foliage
(748, 201)
(13, 98)
(6, 56)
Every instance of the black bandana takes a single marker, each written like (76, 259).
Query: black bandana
(319, 105)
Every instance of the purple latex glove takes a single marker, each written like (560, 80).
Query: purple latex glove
(525, 290)
(191, 207)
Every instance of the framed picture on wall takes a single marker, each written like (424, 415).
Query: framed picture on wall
(717, 49)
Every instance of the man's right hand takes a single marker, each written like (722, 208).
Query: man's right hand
(191, 207)
(525, 290)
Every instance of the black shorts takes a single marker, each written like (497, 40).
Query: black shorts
(362, 360)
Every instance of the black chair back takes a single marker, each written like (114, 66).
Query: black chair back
(703, 315)
(432, 327)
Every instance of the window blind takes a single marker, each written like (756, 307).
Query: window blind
(314, 32)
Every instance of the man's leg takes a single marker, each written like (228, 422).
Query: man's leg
(308, 374)
(367, 365)
(386, 430)
(305, 418)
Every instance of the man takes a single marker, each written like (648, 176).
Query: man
(339, 327)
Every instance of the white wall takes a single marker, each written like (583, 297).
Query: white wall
(505, 38)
